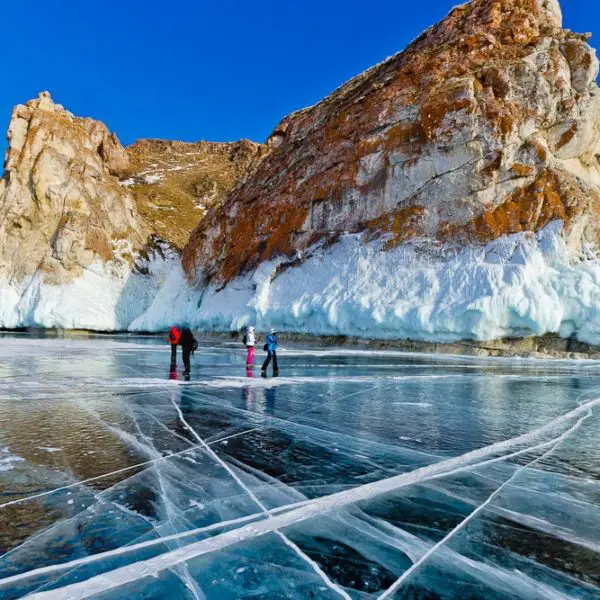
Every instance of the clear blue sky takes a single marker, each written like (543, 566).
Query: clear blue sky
(199, 69)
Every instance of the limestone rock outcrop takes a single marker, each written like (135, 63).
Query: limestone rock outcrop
(61, 205)
(487, 124)
(72, 196)
(90, 230)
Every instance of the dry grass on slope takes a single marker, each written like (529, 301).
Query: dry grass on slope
(175, 183)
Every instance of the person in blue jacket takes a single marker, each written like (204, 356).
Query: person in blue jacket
(271, 348)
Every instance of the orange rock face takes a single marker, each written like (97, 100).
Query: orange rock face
(487, 124)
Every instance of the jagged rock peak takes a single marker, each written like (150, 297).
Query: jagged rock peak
(487, 124)
(61, 207)
(72, 195)
(42, 110)
(44, 102)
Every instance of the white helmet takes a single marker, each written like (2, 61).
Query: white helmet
(250, 328)
(271, 331)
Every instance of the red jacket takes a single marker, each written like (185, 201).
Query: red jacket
(174, 335)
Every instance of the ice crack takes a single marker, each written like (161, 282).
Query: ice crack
(296, 514)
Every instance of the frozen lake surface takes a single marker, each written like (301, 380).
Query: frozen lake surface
(352, 475)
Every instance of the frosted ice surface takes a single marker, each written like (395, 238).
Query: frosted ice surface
(355, 474)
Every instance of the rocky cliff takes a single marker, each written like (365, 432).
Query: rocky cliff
(88, 229)
(488, 124)
(61, 205)
(451, 192)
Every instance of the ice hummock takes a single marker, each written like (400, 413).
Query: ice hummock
(516, 286)
(106, 297)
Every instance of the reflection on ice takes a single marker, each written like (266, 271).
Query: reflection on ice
(354, 474)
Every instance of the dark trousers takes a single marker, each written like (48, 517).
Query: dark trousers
(173, 354)
(266, 363)
(186, 358)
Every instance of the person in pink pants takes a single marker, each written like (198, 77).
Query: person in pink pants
(250, 341)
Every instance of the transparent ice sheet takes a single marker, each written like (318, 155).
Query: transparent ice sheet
(333, 480)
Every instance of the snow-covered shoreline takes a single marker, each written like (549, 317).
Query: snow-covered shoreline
(523, 286)
(106, 297)
(518, 286)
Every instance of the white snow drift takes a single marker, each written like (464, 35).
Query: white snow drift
(519, 285)
(108, 297)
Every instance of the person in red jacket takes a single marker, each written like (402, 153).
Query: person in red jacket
(174, 337)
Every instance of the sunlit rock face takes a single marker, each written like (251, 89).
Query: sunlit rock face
(488, 124)
(61, 205)
(88, 229)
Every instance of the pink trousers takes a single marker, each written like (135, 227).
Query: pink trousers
(250, 358)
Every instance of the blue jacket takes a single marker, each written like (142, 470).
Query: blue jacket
(271, 342)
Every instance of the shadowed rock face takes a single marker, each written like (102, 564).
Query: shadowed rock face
(487, 124)
(61, 205)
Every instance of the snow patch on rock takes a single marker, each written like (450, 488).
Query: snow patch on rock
(107, 297)
(8, 459)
